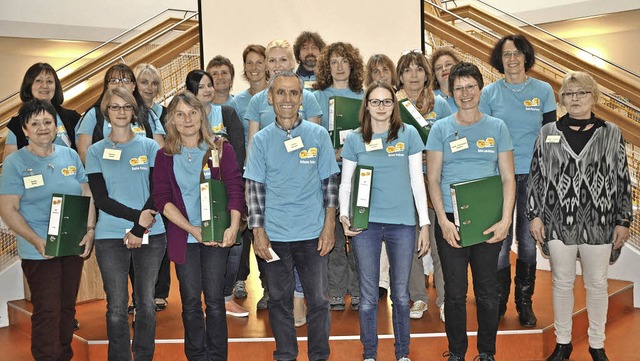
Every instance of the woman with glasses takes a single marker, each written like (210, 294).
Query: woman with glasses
(414, 82)
(30, 176)
(465, 146)
(592, 154)
(129, 233)
(200, 266)
(93, 127)
(442, 59)
(41, 82)
(394, 150)
(525, 104)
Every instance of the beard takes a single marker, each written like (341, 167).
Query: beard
(310, 61)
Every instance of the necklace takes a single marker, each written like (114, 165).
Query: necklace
(517, 90)
(188, 154)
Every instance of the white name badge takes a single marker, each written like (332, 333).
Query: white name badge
(375, 144)
(308, 84)
(215, 161)
(33, 181)
(458, 145)
(293, 144)
(553, 139)
(111, 154)
(145, 236)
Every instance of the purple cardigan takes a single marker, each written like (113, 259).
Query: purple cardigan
(166, 190)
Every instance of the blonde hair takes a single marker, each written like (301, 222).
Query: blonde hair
(173, 141)
(582, 79)
(146, 69)
(123, 93)
(283, 44)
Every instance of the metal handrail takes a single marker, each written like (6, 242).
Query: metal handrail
(631, 72)
(194, 13)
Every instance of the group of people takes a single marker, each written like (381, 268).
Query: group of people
(565, 182)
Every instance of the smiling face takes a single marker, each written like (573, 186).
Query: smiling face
(278, 60)
(578, 101)
(309, 53)
(221, 75)
(466, 93)
(44, 86)
(285, 94)
(120, 112)
(340, 68)
(513, 60)
(205, 90)
(413, 77)
(148, 87)
(41, 129)
(380, 113)
(442, 68)
(255, 67)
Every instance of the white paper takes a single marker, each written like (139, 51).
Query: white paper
(145, 236)
(54, 216)
(332, 114)
(415, 113)
(364, 188)
(274, 256)
(205, 205)
(454, 203)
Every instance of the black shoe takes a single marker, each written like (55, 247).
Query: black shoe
(525, 281)
(484, 357)
(597, 354)
(561, 352)
(161, 304)
(131, 308)
(452, 357)
(382, 293)
(503, 289)
(76, 324)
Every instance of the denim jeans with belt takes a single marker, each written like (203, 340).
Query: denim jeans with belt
(483, 258)
(205, 339)
(114, 259)
(400, 243)
(526, 243)
(312, 269)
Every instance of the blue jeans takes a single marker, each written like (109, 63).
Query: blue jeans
(233, 264)
(114, 260)
(400, 242)
(526, 243)
(203, 271)
(483, 259)
(312, 269)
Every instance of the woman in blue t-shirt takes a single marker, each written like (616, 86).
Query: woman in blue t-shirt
(465, 146)
(29, 178)
(129, 233)
(442, 59)
(524, 104)
(395, 152)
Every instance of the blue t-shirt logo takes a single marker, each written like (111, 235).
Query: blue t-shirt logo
(395, 150)
(307, 155)
(533, 104)
(70, 170)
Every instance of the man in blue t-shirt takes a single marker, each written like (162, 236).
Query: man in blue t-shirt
(307, 48)
(292, 199)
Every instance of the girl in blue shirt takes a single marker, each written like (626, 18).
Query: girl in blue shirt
(395, 152)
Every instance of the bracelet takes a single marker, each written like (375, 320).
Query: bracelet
(623, 223)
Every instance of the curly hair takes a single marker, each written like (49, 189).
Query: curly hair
(356, 64)
(437, 54)
(521, 43)
(305, 37)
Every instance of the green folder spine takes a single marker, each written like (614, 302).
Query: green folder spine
(67, 224)
(477, 205)
(214, 215)
(361, 198)
(344, 117)
(410, 115)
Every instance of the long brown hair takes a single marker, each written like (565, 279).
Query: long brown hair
(173, 141)
(395, 123)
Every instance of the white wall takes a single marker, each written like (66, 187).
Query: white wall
(12, 288)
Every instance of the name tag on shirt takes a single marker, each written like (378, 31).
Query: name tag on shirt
(215, 161)
(111, 154)
(375, 144)
(458, 145)
(553, 139)
(33, 181)
(293, 144)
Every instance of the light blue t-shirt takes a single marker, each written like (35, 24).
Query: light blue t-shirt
(127, 182)
(440, 110)
(391, 193)
(240, 103)
(322, 96)
(259, 109)
(485, 139)
(61, 138)
(228, 102)
(215, 119)
(187, 166)
(157, 110)
(294, 209)
(88, 122)
(452, 103)
(522, 113)
(62, 172)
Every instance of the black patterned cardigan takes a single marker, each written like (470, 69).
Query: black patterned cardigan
(579, 197)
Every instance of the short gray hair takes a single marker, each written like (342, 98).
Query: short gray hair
(285, 74)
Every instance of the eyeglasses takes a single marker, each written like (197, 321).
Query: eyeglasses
(120, 80)
(580, 94)
(117, 108)
(376, 102)
(509, 54)
(468, 88)
(415, 51)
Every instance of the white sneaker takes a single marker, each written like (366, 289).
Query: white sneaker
(370, 359)
(404, 359)
(417, 310)
(442, 313)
